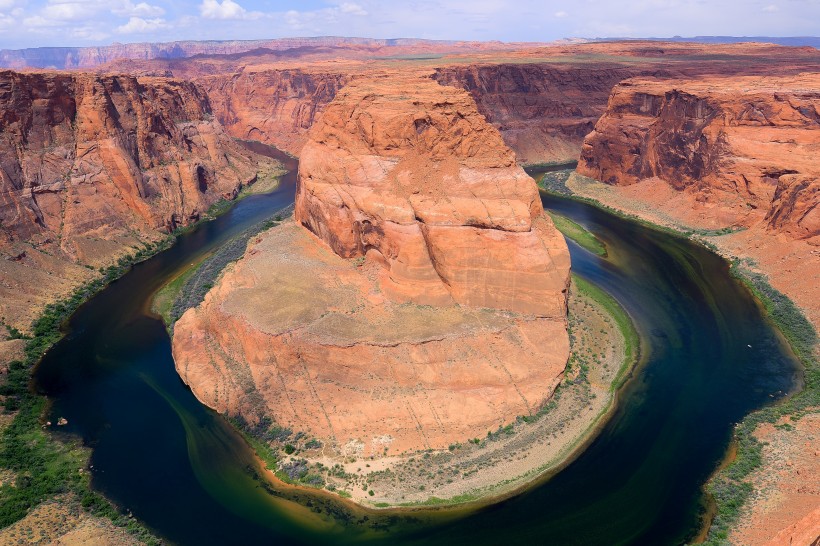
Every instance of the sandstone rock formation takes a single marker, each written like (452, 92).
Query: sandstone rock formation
(427, 187)
(746, 145)
(277, 107)
(429, 309)
(543, 99)
(543, 111)
(90, 165)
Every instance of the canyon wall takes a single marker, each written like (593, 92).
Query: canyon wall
(543, 111)
(273, 106)
(745, 144)
(418, 300)
(91, 165)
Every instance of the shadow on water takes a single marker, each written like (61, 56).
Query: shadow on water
(180, 468)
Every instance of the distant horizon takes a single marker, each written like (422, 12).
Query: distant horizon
(672, 39)
(83, 23)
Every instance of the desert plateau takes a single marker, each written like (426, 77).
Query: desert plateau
(493, 285)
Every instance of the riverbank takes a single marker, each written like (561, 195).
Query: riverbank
(605, 347)
(770, 267)
(44, 472)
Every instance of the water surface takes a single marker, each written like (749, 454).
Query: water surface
(711, 358)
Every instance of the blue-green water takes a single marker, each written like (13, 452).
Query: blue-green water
(180, 468)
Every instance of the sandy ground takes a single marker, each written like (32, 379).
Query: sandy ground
(785, 507)
(512, 457)
(59, 522)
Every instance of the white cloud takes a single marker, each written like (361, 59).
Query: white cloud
(59, 10)
(88, 33)
(561, 14)
(138, 25)
(227, 9)
(37, 21)
(352, 9)
(142, 9)
(771, 8)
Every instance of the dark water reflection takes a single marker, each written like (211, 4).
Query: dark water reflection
(711, 359)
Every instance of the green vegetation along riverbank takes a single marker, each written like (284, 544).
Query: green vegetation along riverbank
(731, 487)
(577, 233)
(43, 473)
(38, 465)
(604, 348)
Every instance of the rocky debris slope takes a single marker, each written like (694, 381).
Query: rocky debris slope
(743, 146)
(430, 308)
(91, 165)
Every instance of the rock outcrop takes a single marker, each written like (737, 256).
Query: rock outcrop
(277, 107)
(427, 187)
(424, 305)
(747, 145)
(543, 111)
(91, 165)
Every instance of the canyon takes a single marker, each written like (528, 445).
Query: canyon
(93, 167)
(396, 199)
(722, 153)
(418, 299)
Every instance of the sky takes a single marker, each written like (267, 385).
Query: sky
(34, 23)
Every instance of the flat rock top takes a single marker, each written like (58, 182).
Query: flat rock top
(390, 115)
(733, 86)
(288, 282)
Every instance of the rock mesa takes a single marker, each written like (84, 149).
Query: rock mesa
(424, 304)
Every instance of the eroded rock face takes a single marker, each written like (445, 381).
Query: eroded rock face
(421, 183)
(428, 308)
(85, 154)
(277, 107)
(749, 142)
(543, 111)
(92, 165)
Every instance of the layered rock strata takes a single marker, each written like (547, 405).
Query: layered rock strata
(744, 146)
(425, 186)
(277, 107)
(91, 165)
(424, 304)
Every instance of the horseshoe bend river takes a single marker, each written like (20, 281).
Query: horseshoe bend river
(710, 358)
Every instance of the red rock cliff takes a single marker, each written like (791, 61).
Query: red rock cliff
(423, 184)
(749, 143)
(543, 111)
(91, 164)
(273, 106)
(406, 173)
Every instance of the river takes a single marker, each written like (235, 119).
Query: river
(710, 359)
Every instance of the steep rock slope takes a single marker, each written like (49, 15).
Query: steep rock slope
(91, 165)
(543, 111)
(430, 308)
(277, 107)
(744, 145)
(430, 189)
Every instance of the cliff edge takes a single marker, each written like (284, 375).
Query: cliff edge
(424, 304)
